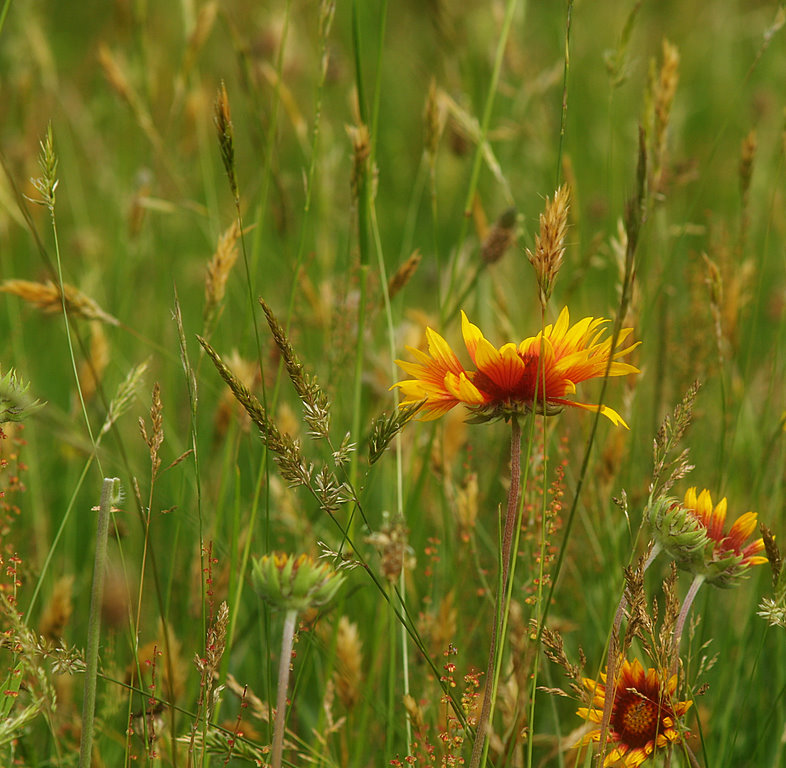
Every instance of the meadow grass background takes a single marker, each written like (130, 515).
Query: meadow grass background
(129, 89)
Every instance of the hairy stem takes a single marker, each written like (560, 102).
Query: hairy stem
(283, 683)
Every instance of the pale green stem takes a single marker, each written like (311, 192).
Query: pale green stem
(94, 623)
(693, 590)
(507, 540)
(283, 683)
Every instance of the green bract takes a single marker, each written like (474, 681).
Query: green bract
(294, 583)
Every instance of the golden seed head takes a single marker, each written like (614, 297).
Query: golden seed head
(550, 242)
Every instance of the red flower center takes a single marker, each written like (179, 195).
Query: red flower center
(636, 718)
(520, 389)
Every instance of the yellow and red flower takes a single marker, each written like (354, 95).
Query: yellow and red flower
(514, 379)
(726, 556)
(644, 716)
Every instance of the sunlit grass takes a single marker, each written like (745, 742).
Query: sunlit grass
(369, 170)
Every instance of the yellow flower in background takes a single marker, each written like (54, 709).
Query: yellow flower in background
(644, 716)
(726, 557)
(512, 379)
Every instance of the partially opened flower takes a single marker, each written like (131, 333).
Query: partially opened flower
(726, 559)
(645, 715)
(540, 373)
(294, 583)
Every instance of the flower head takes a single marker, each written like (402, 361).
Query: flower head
(726, 558)
(294, 583)
(515, 378)
(677, 530)
(644, 716)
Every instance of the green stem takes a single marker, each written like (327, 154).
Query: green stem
(507, 540)
(283, 683)
(94, 623)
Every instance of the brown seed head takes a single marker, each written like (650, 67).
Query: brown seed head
(403, 274)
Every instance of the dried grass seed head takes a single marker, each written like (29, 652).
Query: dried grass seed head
(550, 242)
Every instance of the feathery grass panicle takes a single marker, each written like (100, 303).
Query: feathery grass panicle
(554, 648)
(315, 402)
(222, 118)
(218, 269)
(156, 437)
(773, 609)
(387, 425)
(46, 184)
(667, 441)
(550, 243)
(665, 88)
(124, 396)
(47, 297)
(349, 667)
(289, 455)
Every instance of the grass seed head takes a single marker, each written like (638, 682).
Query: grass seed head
(550, 243)
(48, 298)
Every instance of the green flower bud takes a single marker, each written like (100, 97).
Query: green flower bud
(678, 532)
(294, 583)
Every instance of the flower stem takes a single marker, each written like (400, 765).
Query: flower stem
(283, 683)
(698, 580)
(611, 659)
(507, 540)
(94, 623)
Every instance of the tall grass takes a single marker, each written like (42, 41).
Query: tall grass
(357, 173)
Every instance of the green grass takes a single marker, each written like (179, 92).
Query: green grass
(142, 199)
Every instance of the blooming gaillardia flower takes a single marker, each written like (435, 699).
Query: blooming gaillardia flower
(540, 373)
(726, 559)
(644, 716)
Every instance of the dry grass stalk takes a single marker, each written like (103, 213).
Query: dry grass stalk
(665, 89)
(349, 655)
(315, 402)
(47, 297)
(218, 269)
(403, 274)
(550, 242)
(156, 438)
(222, 117)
